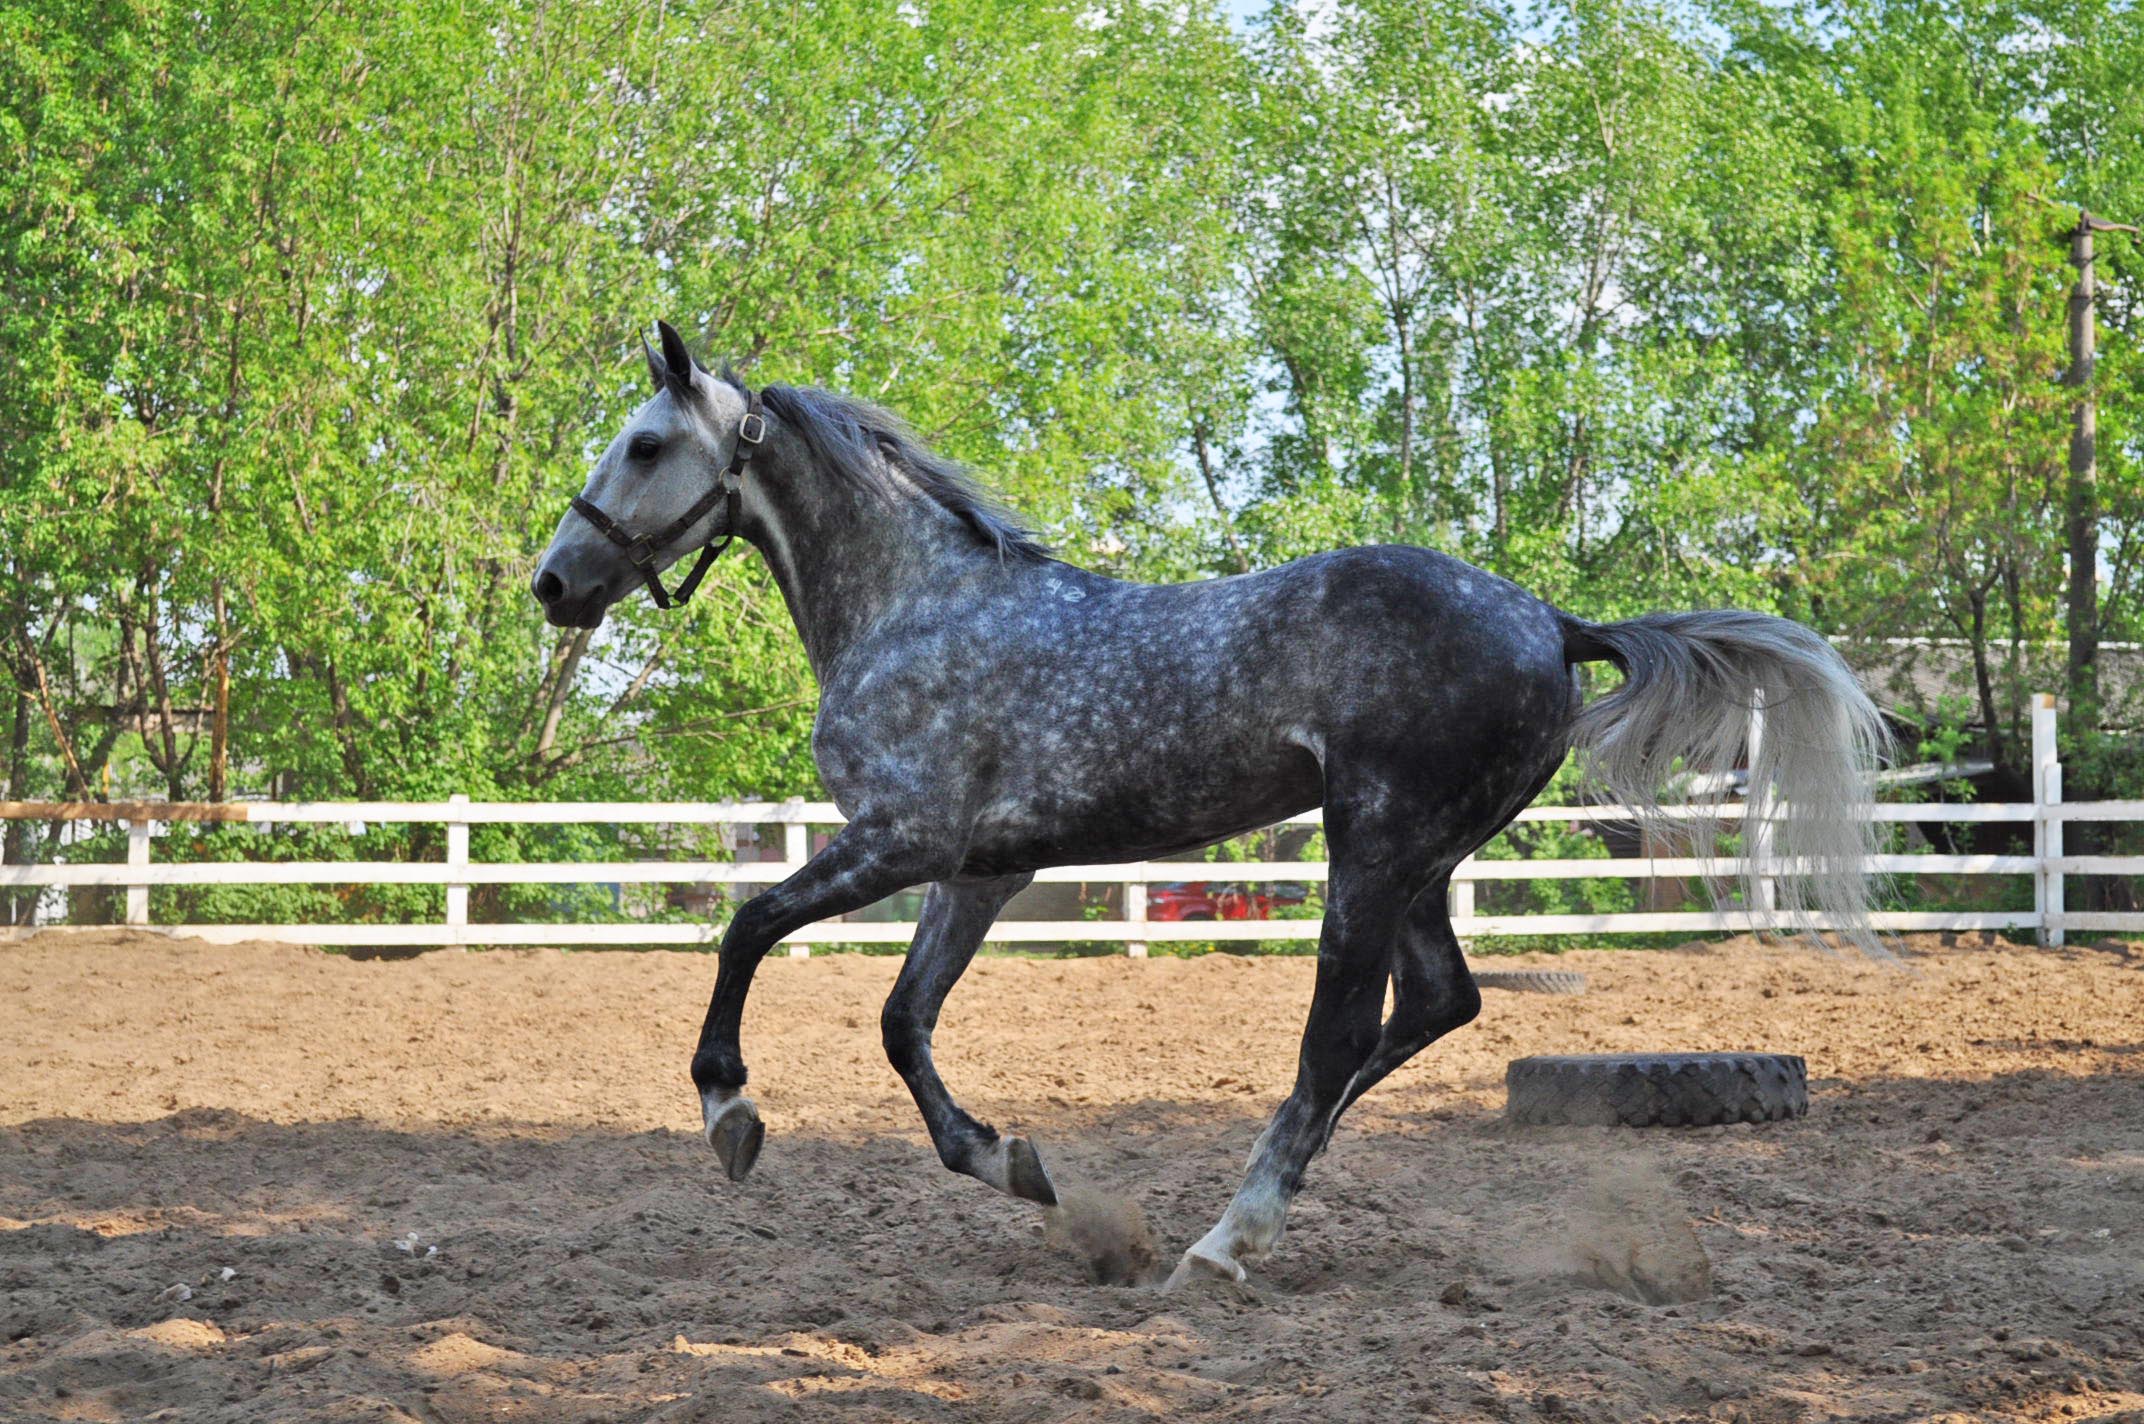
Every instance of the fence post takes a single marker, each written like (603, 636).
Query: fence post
(137, 854)
(796, 849)
(1460, 901)
(1135, 912)
(457, 859)
(1757, 830)
(2046, 827)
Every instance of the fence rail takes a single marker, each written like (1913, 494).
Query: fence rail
(2048, 866)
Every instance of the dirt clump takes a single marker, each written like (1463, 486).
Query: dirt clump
(1106, 1231)
(1629, 1234)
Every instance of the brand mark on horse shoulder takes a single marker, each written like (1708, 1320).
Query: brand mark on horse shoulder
(1066, 591)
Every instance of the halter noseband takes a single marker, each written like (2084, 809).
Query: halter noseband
(641, 549)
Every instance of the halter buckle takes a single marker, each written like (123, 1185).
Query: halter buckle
(640, 553)
(753, 428)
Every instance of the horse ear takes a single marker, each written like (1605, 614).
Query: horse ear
(656, 373)
(676, 357)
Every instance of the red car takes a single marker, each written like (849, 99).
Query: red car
(1220, 899)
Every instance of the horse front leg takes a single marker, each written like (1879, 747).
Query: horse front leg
(869, 860)
(955, 918)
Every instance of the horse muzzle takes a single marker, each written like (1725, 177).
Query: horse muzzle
(569, 602)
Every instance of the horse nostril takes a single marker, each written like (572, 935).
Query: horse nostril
(550, 588)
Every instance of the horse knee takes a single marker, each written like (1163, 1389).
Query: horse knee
(748, 930)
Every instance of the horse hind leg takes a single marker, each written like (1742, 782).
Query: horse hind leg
(955, 918)
(1362, 920)
(1433, 991)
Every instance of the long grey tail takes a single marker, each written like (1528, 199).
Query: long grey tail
(1691, 681)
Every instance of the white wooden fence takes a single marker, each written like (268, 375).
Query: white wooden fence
(2047, 864)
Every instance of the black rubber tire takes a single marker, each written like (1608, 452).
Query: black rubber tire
(1655, 1089)
(1532, 981)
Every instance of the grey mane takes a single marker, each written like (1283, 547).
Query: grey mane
(856, 441)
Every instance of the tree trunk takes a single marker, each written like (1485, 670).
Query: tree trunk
(2083, 494)
(353, 757)
(77, 779)
(1403, 320)
(220, 717)
(15, 836)
(561, 691)
(1984, 678)
(1213, 492)
(169, 762)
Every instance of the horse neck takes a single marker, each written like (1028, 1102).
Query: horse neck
(844, 556)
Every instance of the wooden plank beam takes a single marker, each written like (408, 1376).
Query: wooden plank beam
(125, 811)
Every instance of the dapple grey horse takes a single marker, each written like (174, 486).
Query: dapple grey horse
(986, 710)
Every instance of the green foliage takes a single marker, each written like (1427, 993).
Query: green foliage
(311, 317)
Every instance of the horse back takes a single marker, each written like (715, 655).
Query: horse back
(1065, 716)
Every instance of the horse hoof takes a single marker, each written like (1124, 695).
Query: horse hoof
(1197, 1268)
(736, 1136)
(1024, 1174)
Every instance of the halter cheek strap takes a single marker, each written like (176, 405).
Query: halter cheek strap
(641, 549)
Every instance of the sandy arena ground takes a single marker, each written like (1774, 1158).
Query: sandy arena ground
(258, 1183)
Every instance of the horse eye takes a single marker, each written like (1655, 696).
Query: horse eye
(644, 447)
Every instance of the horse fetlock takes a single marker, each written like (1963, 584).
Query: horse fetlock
(717, 1068)
(1249, 1230)
(733, 1129)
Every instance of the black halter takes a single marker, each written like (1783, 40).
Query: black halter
(640, 550)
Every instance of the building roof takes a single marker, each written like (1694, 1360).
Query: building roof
(1917, 675)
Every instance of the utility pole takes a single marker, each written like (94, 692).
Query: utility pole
(2083, 494)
